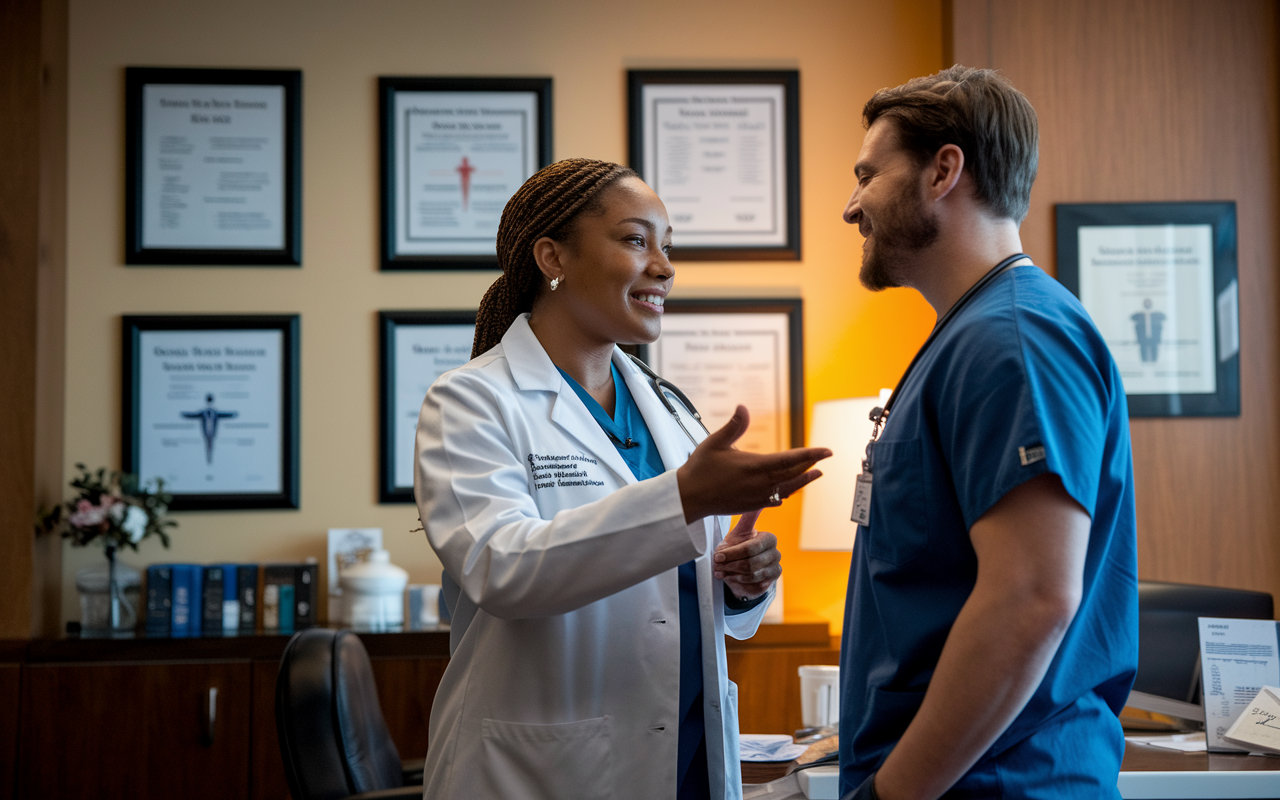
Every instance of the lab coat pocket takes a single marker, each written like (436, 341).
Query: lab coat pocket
(571, 759)
(899, 508)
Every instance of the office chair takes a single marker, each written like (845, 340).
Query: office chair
(333, 738)
(1169, 635)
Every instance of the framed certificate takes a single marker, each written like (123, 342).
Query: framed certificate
(730, 351)
(416, 348)
(211, 406)
(213, 166)
(454, 150)
(1159, 280)
(722, 150)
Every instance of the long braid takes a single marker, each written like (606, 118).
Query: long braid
(546, 205)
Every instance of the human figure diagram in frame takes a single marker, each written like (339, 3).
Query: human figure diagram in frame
(209, 417)
(1149, 326)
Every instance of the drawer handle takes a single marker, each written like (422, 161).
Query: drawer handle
(209, 711)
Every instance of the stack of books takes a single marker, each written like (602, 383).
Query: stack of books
(229, 599)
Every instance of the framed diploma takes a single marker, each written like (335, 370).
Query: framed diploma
(454, 150)
(213, 166)
(722, 150)
(211, 406)
(416, 348)
(1159, 280)
(749, 351)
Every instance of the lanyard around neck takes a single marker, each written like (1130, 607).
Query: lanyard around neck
(879, 415)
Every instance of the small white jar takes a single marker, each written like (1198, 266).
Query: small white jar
(373, 594)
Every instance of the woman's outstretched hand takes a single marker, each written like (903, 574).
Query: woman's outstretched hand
(718, 479)
(748, 560)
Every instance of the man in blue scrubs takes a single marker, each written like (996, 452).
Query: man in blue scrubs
(990, 634)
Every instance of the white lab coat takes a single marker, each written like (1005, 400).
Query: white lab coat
(565, 673)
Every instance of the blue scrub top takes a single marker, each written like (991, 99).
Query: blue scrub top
(1017, 384)
(627, 425)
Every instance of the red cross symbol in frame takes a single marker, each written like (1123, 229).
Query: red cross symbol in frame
(464, 174)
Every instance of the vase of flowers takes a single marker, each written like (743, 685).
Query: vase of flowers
(114, 510)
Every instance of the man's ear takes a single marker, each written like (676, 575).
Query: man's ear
(547, 253)
(944, 171)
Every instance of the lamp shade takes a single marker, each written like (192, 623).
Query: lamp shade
(844, 426)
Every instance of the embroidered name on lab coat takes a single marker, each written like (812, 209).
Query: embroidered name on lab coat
(553, 471)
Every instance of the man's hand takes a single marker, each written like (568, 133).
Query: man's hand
(748, 560)
(719, 479)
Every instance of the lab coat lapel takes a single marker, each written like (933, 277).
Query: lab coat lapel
(532, 370)
(574, 419)
(673, 444)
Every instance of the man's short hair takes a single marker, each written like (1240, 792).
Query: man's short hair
(979, 111)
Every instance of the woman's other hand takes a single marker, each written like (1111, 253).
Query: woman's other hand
(748, 560)
(718, 479)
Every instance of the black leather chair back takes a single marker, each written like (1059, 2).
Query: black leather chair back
(332, 735)
(1169, 635)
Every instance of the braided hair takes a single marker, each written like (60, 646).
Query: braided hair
(546, 205)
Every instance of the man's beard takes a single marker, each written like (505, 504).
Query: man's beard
(902, 230)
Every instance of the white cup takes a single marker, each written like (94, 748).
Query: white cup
(819, 695)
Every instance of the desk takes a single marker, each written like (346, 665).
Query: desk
(1149, 773)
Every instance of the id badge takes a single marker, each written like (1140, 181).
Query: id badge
(862, 500)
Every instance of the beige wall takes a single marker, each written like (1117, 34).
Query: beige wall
(844, 49)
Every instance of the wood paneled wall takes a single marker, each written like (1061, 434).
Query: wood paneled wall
(33, 161)
(1148, 100)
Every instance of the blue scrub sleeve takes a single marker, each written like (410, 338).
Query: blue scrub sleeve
(1005, 433)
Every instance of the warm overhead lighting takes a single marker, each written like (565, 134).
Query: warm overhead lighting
(844, 426)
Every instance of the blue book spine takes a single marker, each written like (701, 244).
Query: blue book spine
(159, 599)
(197, 599)
(286, 608)
(230, 598)
(183, 604)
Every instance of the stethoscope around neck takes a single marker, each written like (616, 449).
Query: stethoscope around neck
(665, 389)
(879, 416)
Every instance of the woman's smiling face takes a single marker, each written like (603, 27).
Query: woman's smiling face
(616, 273)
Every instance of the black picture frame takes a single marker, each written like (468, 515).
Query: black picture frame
(390, 409)
(289, 327)
(392, 256)
(1221, 217)
(638, 122)
(290, 254)
(792, 307)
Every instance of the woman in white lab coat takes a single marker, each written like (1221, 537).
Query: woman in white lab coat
(573, 583)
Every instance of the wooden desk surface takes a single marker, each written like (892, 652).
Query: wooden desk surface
(1143, 758)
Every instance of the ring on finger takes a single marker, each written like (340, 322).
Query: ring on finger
(776, 497)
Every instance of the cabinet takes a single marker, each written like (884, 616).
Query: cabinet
(88, 728)
(129, 718)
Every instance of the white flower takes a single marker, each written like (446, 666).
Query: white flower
(135, 524)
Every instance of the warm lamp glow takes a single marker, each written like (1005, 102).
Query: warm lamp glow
(844, 426)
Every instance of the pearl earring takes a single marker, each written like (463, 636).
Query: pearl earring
(555, 284)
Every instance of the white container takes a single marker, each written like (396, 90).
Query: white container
(424, 606)
(373, 594)
(819, 695)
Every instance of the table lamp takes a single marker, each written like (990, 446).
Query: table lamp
(844, 426)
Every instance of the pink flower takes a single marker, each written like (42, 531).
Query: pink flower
(88, 515)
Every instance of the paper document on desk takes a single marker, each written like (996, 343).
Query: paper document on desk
(1237, 658)
(768, 747)
(1182, 742)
